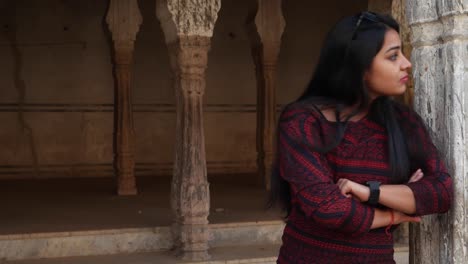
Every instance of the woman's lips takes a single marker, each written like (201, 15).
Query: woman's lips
(404, 79)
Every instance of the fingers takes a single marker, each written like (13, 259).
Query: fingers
(341, 184)
(413, 219)
(344, 190)
(402, 217)
(417, 175)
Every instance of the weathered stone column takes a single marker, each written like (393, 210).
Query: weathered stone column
(440, 63)
(380, 6)
(188, 26)
(124, 21)
(265, 33)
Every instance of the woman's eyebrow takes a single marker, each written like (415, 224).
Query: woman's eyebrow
(393, 48)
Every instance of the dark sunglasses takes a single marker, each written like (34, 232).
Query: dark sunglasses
(370, 16)
(366, 15)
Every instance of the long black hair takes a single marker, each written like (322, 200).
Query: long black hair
(338, 83)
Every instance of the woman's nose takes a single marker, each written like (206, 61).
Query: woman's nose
(406, 64)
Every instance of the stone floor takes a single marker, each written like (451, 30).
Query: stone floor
(57, 205)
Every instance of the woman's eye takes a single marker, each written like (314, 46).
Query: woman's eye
(394, 57)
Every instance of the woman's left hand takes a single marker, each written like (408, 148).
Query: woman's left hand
(352, 189)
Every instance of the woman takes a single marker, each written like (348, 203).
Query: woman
(353, 163)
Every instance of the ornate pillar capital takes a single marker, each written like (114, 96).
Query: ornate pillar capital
(187, 17)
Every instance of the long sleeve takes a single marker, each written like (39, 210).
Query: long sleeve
(313, 190)
(434, 192)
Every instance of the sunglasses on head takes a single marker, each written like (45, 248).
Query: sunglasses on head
(366, 15)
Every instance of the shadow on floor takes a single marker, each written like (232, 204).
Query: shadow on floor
(57, 205)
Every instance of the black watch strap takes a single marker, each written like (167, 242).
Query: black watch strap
(374, 187)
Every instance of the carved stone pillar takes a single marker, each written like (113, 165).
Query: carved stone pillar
(380, 6)
(124, 20)
(188, 27)
(440, 63)
(265, 32)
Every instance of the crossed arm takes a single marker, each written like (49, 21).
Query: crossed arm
(399, 198)
(425, 193)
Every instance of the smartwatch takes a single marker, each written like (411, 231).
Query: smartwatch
(374, 187)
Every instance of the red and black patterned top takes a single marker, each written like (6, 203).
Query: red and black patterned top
(324, 226)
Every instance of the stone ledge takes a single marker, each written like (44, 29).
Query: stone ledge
(260, 254)
(231, 243)
(131, 240)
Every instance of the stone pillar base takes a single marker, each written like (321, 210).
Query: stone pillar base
(127, 191)
(193, 255)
